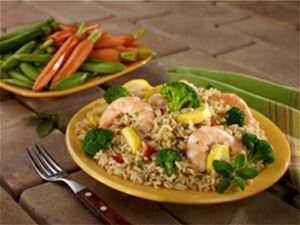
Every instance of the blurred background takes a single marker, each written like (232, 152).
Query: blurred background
(258, 38)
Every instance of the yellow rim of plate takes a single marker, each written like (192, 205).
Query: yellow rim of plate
(270, 175)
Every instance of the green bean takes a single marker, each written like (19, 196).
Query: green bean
(20, 76)
(16, 82)
(38, 58)
(72, 81)
(37, 31)
(11, 62)
(30, 71)
(103, 67)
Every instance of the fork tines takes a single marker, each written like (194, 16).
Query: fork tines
(43, 163)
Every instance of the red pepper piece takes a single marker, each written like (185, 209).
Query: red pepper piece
(149, 151)
(213, 123)
(118, 158)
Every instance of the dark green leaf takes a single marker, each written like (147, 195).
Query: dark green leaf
(223, 167)
(44, 127)
(224, 184)
(239, 161)
(247, 172)
(240, 182)
(58, 121)
(209, 86)
(38, 117)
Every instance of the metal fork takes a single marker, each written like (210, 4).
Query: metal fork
(48, 169)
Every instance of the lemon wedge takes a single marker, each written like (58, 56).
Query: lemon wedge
(154, 90)
(197, 116)
(217, 152)
(95, 115)
(138, 87)
(132, 138)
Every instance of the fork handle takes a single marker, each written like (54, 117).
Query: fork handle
(100, 208)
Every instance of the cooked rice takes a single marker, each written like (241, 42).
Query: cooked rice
(166, 133)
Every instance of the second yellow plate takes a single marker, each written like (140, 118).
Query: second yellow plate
(90, 83)
(264, 180)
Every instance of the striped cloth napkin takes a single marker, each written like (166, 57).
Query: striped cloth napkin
(277, 102)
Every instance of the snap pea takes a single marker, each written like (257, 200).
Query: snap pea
(20, 76)
(3, 74)
(5, 56)
(43, 47)
(16, 82)
(11, 62)
(71, 81)
(20, 39)
(14, 33)
(144, 53)
(50, 50)
(103, 67)
(30, 71)
(38, 58)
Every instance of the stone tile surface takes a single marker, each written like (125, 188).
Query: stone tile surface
(279, 12)
(160, 43)
(263, 208)
(42, 202)
(268, 32)
(279, 66)
(17, 17)
(150, 72)
(193, 58)
(202, 11)
(71, 11)
(67, 105)
(196, 33)
(132, 10)
(11, 212)
(17, 173)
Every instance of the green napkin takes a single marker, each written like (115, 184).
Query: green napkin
(260, 95)
(279, 93)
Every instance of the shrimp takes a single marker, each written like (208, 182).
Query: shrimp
(234, 100)
(131, 105)
(199, 143)
(157, 100)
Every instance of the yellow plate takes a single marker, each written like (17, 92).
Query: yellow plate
(90, 83)
(265, 179)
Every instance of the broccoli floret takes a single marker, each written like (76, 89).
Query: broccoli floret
(180, 95)
(249, 140)
(167, 157)
(235, 116)
(97, 139)
(258, 149)
(114, 93)
(264, 151)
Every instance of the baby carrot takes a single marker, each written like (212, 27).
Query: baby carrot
(78, 56)
(58, 59)
(60, 36)
(108, 54)
(109, 41)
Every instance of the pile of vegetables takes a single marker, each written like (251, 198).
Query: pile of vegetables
(54, 56)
